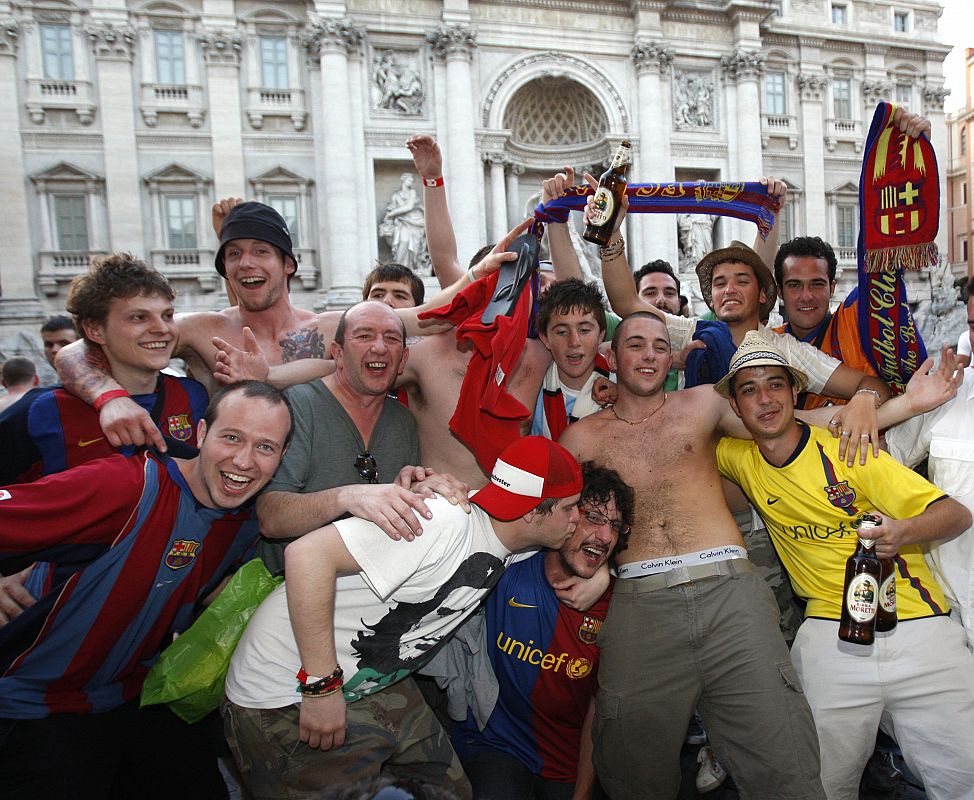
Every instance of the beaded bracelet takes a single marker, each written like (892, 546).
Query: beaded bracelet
(312, 686)
(107, 397)
(613, 249)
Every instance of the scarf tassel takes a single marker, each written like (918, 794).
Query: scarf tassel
(890, 259)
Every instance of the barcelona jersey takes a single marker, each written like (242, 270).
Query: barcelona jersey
(812, 506)
(149, 553)
(545, 659)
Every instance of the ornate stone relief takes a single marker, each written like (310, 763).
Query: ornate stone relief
(874, 91)
(8, 37)
(694, 106)
(810, 86)
(221, 47)
(933, 98)
(403, 226)
(111, 43)
(396, 85)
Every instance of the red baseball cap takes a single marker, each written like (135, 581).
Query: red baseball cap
(528, 471)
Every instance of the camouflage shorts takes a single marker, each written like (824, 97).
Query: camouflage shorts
(392, 732)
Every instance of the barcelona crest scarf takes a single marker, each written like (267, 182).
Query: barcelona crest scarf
(748, 201)
(899, 214)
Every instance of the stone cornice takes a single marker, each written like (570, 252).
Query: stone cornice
(110, 43)
(452, 40)
(221, 47)
(648, 55)
(333, 34)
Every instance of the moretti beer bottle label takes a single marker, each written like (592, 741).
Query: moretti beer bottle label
(862, 597)
(602, 206)
(887, 594)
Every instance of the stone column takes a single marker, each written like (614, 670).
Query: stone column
(811, 90)
(455, 44)
(514, 210)
(114, 49)
(339, 227)
(498, 196)
(745, 67)
(221, 53)
(655, 232)
(933, 109)
(18, 300)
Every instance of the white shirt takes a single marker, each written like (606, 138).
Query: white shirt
(408, 598)
(816, 365)
(947, 435)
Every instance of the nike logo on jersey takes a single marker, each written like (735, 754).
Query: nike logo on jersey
(86, 442)
(771, 501)
(515, 604)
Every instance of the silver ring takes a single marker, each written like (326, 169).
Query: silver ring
(846, 433)
(864, 436)
(833, 422)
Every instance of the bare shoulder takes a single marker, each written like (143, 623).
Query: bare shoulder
(582, 439)
(197, 328)
(700, 405)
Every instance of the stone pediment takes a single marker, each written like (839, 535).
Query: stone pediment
(175, 173)
(849, 187)
(280, 175)
(65, 172)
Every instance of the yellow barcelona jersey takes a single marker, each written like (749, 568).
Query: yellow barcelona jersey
(812, 506)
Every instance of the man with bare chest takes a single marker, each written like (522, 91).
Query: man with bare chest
(690, 624)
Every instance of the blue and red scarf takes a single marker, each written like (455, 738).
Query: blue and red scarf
(899, 214)
(748, 201)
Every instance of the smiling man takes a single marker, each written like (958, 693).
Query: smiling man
(154, 537)
(325, 663)
(527, 731)
(125, 307)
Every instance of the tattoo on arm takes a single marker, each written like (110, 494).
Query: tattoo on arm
(86, 373)
(303, 343)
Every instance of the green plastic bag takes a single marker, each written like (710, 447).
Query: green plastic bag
(190, 673)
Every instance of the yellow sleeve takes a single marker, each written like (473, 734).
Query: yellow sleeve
(897, 491)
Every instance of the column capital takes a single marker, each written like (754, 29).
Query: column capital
(811, 86)
(874, 91)
(109, 43)
(452, 40)
(333, 34)
(514, 169)
(742, 64)
(651, 56)
(493, 159)
(221, 47)
(933, 98)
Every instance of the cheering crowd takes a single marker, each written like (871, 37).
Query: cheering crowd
(526, 531)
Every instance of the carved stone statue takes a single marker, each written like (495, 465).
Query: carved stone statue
(693, 100)
(403, 227)
(397, 86)
(942, 317)
(696, 238)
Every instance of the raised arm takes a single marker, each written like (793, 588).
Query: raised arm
(564, 259)
(83, 371)
(313, 565)
(768, 248)
(440, 239)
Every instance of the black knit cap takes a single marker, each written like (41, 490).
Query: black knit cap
(254, 221)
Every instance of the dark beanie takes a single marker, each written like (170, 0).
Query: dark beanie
(254, 221)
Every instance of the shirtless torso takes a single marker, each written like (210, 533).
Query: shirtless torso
(670, 462)
(433, 376)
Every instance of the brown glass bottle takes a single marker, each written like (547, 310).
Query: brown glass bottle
(608, 198)
(886, 612)
(860, 593)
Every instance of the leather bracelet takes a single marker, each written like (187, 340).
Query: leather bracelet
(432, 183)
(107, 397)
(874, 393)
(313, 686)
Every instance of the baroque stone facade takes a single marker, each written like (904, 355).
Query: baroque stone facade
(123, 120)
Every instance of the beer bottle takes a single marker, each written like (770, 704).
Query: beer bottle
(886, 614)
(860, 594)
(608, 198)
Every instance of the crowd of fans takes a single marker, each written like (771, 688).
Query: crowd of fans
(521, 555)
